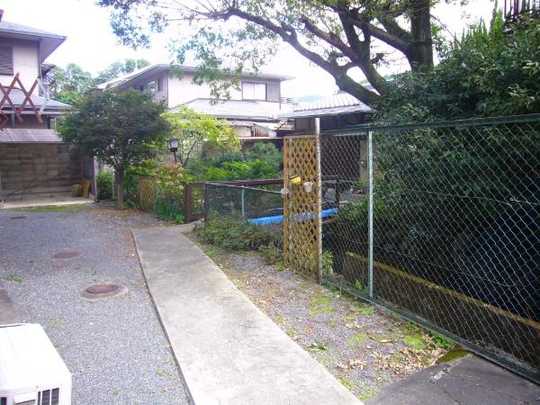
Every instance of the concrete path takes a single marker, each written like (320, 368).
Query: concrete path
(228, 350)
(469, 380)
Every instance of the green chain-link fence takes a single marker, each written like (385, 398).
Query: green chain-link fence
(451, 238)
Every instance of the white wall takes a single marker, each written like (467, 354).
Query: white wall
(182, 89)
(25, 62)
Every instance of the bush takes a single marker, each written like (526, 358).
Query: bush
(232, 234)
(104, 181)
(170, 180)
(259, 162)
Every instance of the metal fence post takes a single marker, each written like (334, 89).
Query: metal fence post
(319, 200)
(205, 202)
(370, 214)
(243, 196)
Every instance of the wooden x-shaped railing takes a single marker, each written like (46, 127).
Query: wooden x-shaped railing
(6, 99)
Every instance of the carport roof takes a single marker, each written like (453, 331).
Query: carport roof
(19, 135)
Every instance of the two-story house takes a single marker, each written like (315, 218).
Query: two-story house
(252, 108)
(34, 162)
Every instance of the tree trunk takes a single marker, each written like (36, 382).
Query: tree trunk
(119, 183)
(421, 55)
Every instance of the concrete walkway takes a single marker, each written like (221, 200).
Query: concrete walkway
(228, 350)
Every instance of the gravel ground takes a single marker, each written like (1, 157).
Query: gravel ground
(114, 347)
(365, 348)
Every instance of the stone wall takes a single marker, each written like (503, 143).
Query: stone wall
(37, 170)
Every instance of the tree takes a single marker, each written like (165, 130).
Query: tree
(118, 69)
(336, 35)
(195, 130)
(489, 71)
(67, 85)
(120, 129)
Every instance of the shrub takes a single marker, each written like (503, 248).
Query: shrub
(259, 162)
(232, 234)
(105, 185)
(271, 253)
(170, 180)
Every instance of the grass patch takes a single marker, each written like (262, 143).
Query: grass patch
(346, 383)
(13, 278)
(415, 341)
(366, 392)
(442, 341)
(357, 339)
(453, 355)
(320, 303)
(359, 308)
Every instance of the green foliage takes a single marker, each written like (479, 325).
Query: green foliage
(120, 129)
(488, 72)
(170, 181)
(105, 185)
(271, 254)
(69, 84)
(121, 68)
(327, 263)
(231, 234)
(260, 162)
(197, 131)
(268, 152)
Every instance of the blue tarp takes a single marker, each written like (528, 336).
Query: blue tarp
(278, 219)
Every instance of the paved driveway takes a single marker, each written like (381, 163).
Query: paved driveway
(114, 347)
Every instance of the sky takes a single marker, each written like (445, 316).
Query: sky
(92, 45)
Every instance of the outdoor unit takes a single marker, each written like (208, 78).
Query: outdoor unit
(31, 370)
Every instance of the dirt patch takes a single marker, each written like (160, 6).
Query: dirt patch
(363, 347)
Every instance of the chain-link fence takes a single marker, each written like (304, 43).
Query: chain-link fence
(451, 237)
(254, 200)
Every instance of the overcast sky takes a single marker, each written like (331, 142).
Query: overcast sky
(92, 45)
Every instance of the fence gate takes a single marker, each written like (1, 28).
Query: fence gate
(302, 243)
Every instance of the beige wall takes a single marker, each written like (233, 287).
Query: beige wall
(25, 62)
(183, 89)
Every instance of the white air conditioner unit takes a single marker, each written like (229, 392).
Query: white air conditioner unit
(31, 370)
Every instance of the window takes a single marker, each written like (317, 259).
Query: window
(45, 397)
(3, 401)
(6, 60)
(253, 91)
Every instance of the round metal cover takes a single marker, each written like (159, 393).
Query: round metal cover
(103, 290)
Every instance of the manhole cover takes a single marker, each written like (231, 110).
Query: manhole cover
(103, 290)
(18, 217)
(66, 254)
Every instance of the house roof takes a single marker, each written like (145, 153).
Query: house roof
(124, 81)
(17, 97)
(48, 41)
(19, 135)
(341, 103)
(246, 110)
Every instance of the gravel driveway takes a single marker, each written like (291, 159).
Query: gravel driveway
(114, 347)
